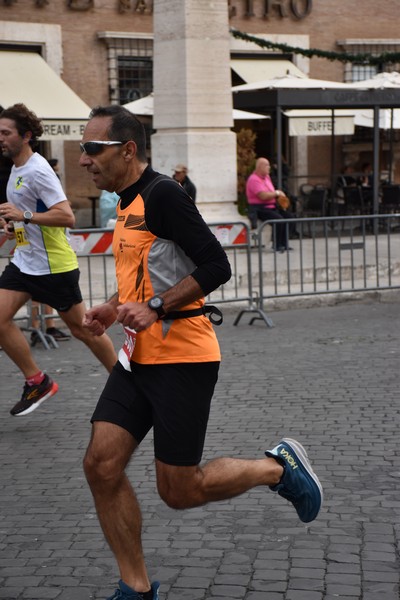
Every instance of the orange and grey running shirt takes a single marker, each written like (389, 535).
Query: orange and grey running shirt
(156, 244)
(34, 186)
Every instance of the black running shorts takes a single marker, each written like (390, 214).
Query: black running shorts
(174, 399)
(59, 290)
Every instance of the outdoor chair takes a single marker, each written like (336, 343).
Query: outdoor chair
(304, 193)
(315, 204)
(390, 201)
(354, 204)
(353, 200)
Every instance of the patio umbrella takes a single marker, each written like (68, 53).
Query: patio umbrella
(389, 118)
(296, 83)
(297, 93)
(378, 81)
(145, 107)
(365, 118)
(289, 82)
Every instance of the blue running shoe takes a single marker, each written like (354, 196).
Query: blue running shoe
(299, 484)
(127, 593)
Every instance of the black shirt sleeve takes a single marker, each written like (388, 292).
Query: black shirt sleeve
(171, 214)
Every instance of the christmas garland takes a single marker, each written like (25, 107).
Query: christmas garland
(360, 59)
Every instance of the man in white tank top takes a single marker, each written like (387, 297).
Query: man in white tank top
(44, 266)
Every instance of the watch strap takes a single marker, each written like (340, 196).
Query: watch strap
(160, 310)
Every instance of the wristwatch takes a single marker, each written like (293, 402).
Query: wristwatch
(157, 303)
(28, 216)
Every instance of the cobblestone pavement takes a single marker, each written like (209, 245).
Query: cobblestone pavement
(328, 376)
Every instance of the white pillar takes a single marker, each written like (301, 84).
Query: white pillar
(193, 101)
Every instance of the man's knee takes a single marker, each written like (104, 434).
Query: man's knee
(108, 453)
(96, 466)
(171, 496)
(73, 318)
(174, 497)
(178, 487)
(101, 472)
(99, 464)
(79, 332)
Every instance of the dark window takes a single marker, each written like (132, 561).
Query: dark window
(135, 78)
(130, 66)
(359, 72)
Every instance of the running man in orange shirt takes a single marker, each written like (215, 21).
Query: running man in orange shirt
(167, 260)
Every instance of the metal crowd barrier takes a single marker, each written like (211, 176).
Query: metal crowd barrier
(330, 255)
(96, 263)
(236, 239)
(93, 247)
(94, 250)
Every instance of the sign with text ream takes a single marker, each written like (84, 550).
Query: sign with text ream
(63, 129)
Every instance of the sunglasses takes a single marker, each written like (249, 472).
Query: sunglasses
(93, 148)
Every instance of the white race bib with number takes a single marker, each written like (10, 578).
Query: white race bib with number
(125, 354)
(21, 238)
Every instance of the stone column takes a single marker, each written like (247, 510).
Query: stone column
(193, 101)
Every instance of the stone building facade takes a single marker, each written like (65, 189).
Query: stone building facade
(103, 50)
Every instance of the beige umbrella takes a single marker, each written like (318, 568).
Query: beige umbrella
(378, 81)
(388, 118)
(289, 81)
(145, 107)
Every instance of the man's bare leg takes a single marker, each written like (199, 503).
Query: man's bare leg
(101, 346)
(219, 479)
(12, 340)
(286, 470)
(117, 508)
(185, 487)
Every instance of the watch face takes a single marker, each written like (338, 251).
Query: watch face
(28, 215)
(156, 302)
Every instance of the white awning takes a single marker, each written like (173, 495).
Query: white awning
(365, 118)
(251, 70)
(25, 77)
(290, 82)
(239, 115)
(145, 107)
(319, 122)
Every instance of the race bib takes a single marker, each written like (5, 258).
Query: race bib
(126, 352)
(21, 238)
